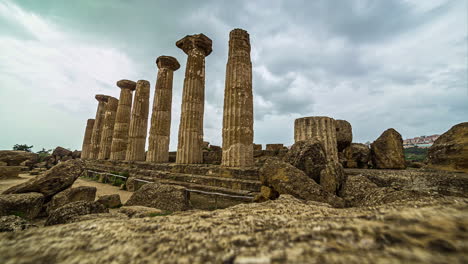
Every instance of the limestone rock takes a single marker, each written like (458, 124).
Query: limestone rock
(387, 151)
(131, 184)
(110, 201)
(308, 156)
(274, 147)
(344, 134)
(61, 152)
(140, 211)
(332, 177)
(165, 197)
(14, 223)
(14, 157)
(68, 212)
(51, 182)
(26, 205)
(357, 155)
(9, 172)
(286, 230)
(287, 179)
(450, 150)
(81, 193)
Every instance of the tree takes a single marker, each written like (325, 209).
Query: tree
(22, 147)
(44, 151)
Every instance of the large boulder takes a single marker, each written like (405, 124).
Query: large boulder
(387, 151)
(308, 156)
(13, 223)
(69, 212)
(26, 205)
(450, 150)
(61, 152)
(162, 196)
(284, 178)
(9, 172)
(110, 200)
(16, 157)
(81, 193)
(357, 155)
(332, 177)
(344, 134)
(53, 181)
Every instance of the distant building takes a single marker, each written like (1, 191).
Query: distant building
(422, 141)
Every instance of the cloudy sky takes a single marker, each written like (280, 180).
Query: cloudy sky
(377, 64)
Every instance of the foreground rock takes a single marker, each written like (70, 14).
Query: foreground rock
(15, 158)
(69, 212)
(344, 134)
(26, 205)
(332, 177)
(13, 223)
(284, 178)
(52, 181)
(286, 230)
(81, 193)
(308, 156)
(357, 155)
(450, 150)
(165, 197)
(387, 151)
(9, 172)
(140, 211)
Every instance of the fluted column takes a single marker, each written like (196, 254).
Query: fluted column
(122, 120)
(190, 140)
(320, 127)
(98, 124)
(108, 128)
(238, 103)
(139, 123)
(160, 130)
(87, 139)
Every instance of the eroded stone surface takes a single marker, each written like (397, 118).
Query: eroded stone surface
(139, 123)
(344, 134)
(85, 149)
(357, 155)
(108, 128)
(68, 212)
(81, 193)
(98, 124)
(308, 156)
(387, 151)
(161, 196)
(26, 205)
(13, 223)
(286, 230)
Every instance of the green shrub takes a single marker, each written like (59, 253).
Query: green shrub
(164, 213)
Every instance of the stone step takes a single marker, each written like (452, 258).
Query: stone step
(234, 184)
(237, 195)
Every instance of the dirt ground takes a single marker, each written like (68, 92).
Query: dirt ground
(102, 189)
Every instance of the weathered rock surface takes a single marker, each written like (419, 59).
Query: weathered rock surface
(81, 193)
(110, 201)
(450, 150)
(140, 211)
(9, 172)
(308, 156)
(26, 205)
(287, 179)
(61, 152)
(344, 134)
(68, 212)
(15, 157)
(387, 151)
(51, 182)
(13, 223)
(332, 177)
(286, 230)
(357, 155)
(165, 197)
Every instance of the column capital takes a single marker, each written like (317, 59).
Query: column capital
(102, 97)
(199, 41)
(240, 39)
(167, 62)
(127, 84)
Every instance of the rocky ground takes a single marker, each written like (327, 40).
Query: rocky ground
(426, 230)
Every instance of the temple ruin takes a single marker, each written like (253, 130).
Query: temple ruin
(98, 124)
(138, 123)
(87, 139)
(108, 128)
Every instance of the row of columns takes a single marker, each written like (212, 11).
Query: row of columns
(119, 130)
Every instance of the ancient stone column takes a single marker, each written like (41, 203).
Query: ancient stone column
(320, 127)
(160, 130)
(139, 123)
(87, 139)
(98, 124)
(238, 103)
(108, 128)
(190, 140)
(122, 120)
